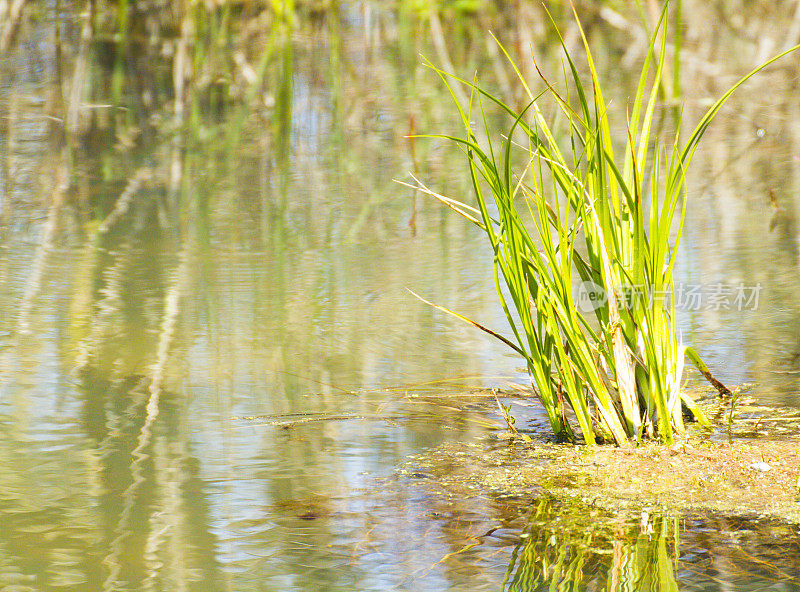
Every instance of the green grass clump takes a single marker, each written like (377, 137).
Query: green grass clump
(578, 214)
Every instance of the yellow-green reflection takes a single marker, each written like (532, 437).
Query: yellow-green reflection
(569, 547)
(572, 545)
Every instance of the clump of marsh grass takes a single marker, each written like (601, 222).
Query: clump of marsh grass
(582, 214)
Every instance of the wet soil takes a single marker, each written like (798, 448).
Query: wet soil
(755, 476)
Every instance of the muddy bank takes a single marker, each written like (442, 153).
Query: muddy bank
(753, 478)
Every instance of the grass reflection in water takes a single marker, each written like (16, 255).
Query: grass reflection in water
(578, 547)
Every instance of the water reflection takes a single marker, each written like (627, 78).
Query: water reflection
(614, 551)
(610, 556)
(203, 315)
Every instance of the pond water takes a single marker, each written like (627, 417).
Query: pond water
(211, 367)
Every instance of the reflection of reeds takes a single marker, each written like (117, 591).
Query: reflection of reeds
(125, 200)
(103, 325)
(169, 324)
(72, 121)
(10, 15)
(43, 250)
(139, 456)
(573, 556)
(104, 320)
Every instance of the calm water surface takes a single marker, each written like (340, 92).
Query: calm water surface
(211, 367)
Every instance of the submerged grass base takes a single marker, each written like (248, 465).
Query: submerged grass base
(728, 478)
